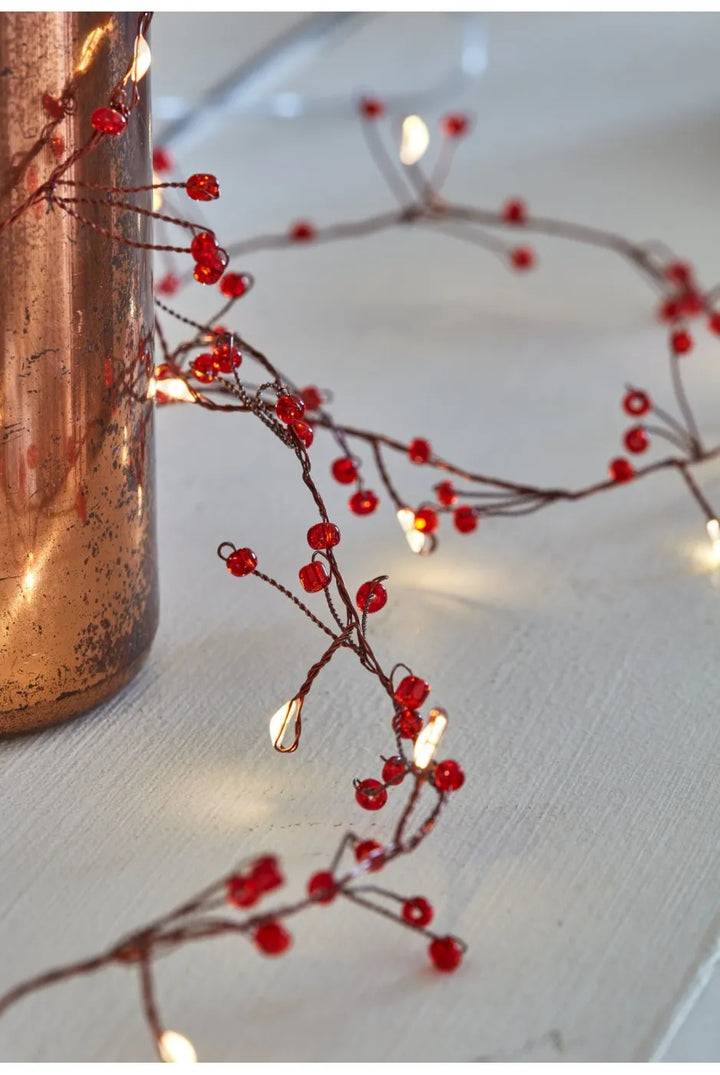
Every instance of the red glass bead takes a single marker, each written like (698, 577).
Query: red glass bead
(371, 597)
(321, 887)
(363, 502)
(52, 105)
(620, 470)
(636, 402)
(636, 440)
(679, 272)
(446, 494)
(241, 562)
(302, 232)
(108, 121)
(226, 356)
(448, 776)
(344, 470)
(522, 257)
(209, 272)
(241, 891)
(419, 450)
(162, 159)
(417, 912)
(203, 368)
(289, 409)
(669, 310)
(426, 520)
(323, 536)
(234, 285)
(445, 953)
(370, 794)
(411, 692)
(454, 125)
(312, 397)
(272, 939)
(204, 248)
(371, 849)
(266, 874)
(465, 519)
(407, 724)
(202, 187)
(304, 432)
(681, 342)
(371, 107)
(313, 577)
(168, 284)
(514, 211)
(394, 770)
(714, 323)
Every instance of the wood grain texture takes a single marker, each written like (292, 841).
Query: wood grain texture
(576, 651)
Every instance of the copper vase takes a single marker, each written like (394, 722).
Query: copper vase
(78, 580)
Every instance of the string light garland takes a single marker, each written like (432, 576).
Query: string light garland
(205, 370)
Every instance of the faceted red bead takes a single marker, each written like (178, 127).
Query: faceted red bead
(371, 849)
(363, 502)
(514, 211)
(234, 284)
(371, 597)
(108, 121)
(303, 431)
(272, 939)
(241, 891)
(226, 356)
(679, 272)
(714, 323)
(448, 776)
(465, 519)
(202, 187)
(168, 284)
(426, 520)
(522, 257)
(370, 794)
(394, 770)
(417, 912)
(313, 577)
(445, 953)
(210, 271)
(302, 232)
(52, 105)
(636, 402)
(419, 450)
(289, 409)
(241, 562)
(344, 470)
(411, 692)
(407, 724)
(371, 107)
(312, 397)
(323, 536)
(636, 439)
(681, 342)
(203, 368)
(204, 248)
(162, 159)
(620, 470)
(321, 887)
(454, 125)
(266, 874)
(446, 494)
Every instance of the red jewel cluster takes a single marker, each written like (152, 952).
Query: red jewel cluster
(290, 410)
(210, 259)
(224, 358)
(635, 403)
(245, 889)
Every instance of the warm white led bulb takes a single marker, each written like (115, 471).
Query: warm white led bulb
(174, 388)
(174, 1048)
(406, 518)
(288, 716)
(713, 531)
(415, 538)
(414, 140)
(157, 195)
(429, 737)
(141, 60)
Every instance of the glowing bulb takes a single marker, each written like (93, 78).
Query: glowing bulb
(167, 389)
(174, 1048)
(428, 739)
(287, 716)
(713, 532)
(417, 541)
(414, 141)
(90, 47)
(406, 518)
(140, 499)
(141, 62)
(157, 194)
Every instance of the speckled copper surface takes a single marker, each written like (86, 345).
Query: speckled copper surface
(78, 583)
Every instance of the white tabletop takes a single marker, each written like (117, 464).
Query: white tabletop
(575, 651)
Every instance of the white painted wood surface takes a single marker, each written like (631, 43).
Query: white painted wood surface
(576, 651)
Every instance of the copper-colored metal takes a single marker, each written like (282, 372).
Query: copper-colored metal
(78, 584)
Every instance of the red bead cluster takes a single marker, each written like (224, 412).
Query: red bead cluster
(686, 299)
(210, 259)
(245, 889)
